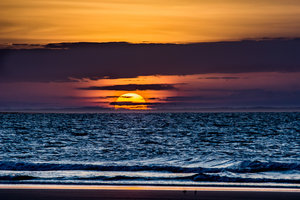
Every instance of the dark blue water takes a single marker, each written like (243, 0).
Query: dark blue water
(146, 148)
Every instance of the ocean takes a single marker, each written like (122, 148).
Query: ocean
(188, 149)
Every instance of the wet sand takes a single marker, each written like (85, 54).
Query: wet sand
(69, 192)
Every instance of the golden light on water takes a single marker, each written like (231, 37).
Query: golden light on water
(131, 101)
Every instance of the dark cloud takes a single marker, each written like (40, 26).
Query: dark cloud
(111, 97)
(225, 77)
(153, 98)
(183, 98)
(86, 109)
(246, 97)
(133, 87)
(59, 62)
(129, 103)
(88, 98)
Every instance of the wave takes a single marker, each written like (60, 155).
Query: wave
(195, 178)
(17, 178)
(218, 178)
(258, 166)
(198, 178)
(26, 166)
(239, 167)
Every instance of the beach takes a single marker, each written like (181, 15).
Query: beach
(75, 192)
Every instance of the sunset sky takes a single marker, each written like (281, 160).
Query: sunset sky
(44, 21)
(178, 55)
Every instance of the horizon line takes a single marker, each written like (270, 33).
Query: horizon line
(41, 44)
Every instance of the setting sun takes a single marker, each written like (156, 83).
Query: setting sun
(131, 101)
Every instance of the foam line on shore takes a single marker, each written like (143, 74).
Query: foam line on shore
(161, 188)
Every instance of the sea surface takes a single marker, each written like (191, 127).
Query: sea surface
(224, 149)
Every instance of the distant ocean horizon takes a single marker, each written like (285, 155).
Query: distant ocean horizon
(213, 148)
(97, 109)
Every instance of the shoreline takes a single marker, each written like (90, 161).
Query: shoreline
(146, 187)
(93, 192)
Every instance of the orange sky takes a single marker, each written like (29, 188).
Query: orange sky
(44, 21)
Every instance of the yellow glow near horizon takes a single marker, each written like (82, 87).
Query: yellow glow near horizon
(137, 100)
(150, 96)
(35, 21)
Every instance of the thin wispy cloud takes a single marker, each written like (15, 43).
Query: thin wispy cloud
(132, 87)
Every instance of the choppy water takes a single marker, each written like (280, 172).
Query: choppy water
(166, 148)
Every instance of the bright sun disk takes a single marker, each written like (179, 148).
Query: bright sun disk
(131, 101)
